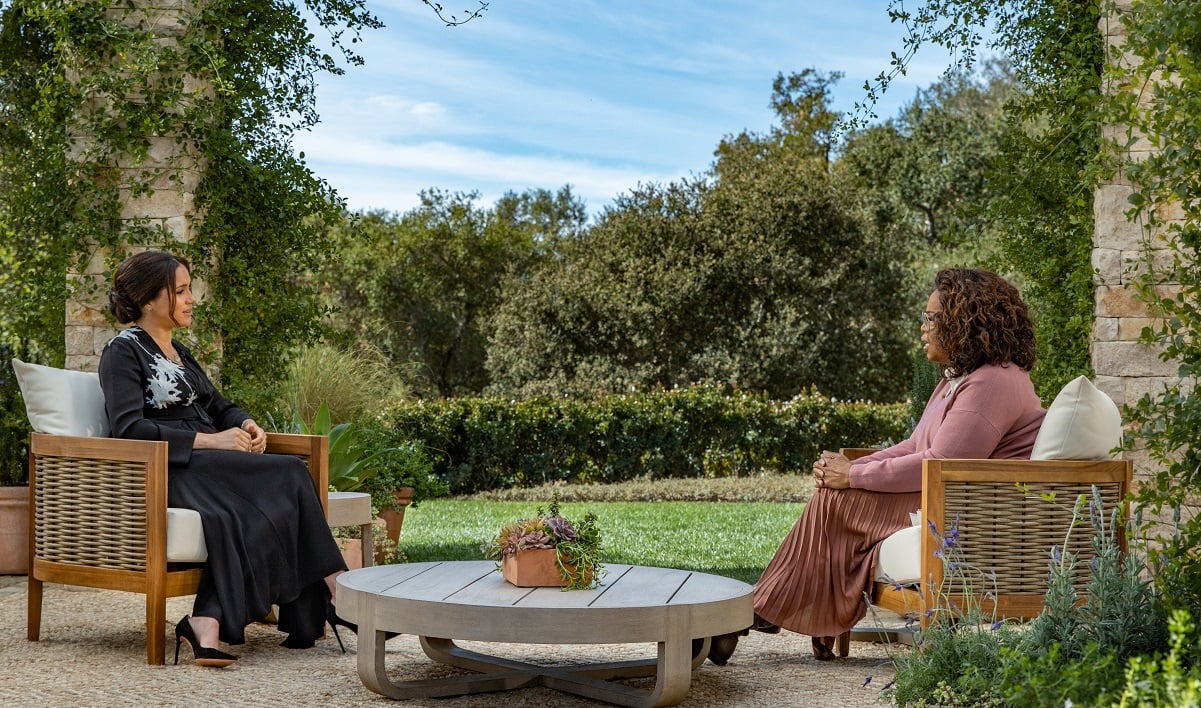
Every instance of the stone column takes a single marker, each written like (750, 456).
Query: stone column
(1122, 249)
(172, 170)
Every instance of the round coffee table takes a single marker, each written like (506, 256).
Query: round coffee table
(469, 600)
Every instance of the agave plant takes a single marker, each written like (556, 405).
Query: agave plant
(351, 461)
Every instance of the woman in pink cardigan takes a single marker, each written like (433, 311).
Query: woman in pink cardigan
(977, 329)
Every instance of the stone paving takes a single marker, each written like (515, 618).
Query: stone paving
(92, 653)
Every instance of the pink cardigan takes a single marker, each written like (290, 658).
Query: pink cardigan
(992, 413)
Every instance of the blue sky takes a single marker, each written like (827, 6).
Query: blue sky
(602, 95)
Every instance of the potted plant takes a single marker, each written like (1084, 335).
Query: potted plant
(403, 476)
(362, 458)
(548, 549)
(14, 475)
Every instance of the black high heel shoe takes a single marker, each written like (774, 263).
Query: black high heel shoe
(331, 616)
(204, 656)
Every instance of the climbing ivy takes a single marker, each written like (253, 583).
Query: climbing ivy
(1164, 39)
(1040, 187)
(104, 101)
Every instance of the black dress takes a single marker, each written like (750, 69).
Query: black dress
(267, 538)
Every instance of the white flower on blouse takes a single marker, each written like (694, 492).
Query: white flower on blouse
(164, 387)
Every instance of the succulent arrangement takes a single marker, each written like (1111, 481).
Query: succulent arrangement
(577, 544)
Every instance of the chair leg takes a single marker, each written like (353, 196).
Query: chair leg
(33, 617)
(844, 644)
(156, 626)
(367, 533)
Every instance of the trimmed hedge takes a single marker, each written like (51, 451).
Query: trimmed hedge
(481, 444)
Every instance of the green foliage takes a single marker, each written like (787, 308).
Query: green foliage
(956, 663)
(928, 174)
(1166, 36)
(1045, 161)
(352, 384)
(226, 86)
(1092, 677)
(401, 463)
(758, 275)
(1167, 681)
(1072, 653)
(703, 431)
(1117, 609)
(14, 425)
(351, 462)
(424, 286)
(577, 544)
(926, 375)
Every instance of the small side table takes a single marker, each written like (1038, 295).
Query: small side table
(353, 509)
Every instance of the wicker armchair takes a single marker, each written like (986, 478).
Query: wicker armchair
(98, 518)
(1000, 529)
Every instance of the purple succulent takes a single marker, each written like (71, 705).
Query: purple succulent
(562, 528)
(536, 539)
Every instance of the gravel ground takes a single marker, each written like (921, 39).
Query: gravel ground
(92, 653)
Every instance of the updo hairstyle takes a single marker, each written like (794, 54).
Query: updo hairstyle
(139, 279)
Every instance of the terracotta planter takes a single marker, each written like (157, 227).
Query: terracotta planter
(394, 517)
(14, 530)
(535, 568)
(352, 552)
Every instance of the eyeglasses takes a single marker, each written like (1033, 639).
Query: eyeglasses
(929, 318)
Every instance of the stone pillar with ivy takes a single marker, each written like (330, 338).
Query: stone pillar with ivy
(1147, 251)
(154, 177)
(1128, 250)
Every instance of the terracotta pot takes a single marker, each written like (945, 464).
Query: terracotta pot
(535, 568)
(352, 552)
(394, 515)
(14, 530)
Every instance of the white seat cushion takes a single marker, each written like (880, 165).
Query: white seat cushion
(62, 402)
(185, 537)
(901, 557)
(1081, 424)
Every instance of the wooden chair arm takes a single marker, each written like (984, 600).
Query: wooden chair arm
(854, 453)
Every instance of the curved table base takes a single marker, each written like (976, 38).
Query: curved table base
(678, 657)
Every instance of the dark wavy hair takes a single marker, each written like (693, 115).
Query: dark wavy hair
(139, 279)
(983, 321)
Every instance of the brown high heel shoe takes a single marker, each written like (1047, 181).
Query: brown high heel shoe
(762, 625)
(823, 648)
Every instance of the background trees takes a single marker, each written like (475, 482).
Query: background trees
(423, 286)
(756, 274)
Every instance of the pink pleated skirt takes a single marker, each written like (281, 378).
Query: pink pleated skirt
(816, 582)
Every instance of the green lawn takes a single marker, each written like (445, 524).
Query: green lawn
(734, 539)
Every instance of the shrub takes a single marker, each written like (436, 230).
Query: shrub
(702, 431)
(14, 425)
(350, 383)
(1071, 653)
(1152, 681)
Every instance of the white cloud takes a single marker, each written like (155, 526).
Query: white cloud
(599, 94)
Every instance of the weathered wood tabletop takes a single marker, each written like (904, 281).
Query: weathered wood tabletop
(469, 600)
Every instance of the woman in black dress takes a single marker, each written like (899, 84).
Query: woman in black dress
(267, 537)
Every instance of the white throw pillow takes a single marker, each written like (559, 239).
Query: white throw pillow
(62, 402)
(1081, 424)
